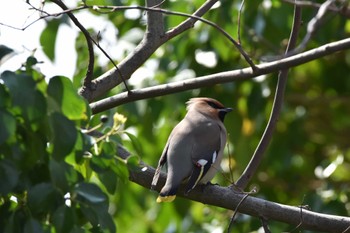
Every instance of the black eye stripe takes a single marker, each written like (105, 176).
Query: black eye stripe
(213, 105)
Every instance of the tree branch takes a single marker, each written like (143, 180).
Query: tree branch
(227, 198)
(89, 40)
(256, 159)
(343, 10)
(222, 77)
(150, 43)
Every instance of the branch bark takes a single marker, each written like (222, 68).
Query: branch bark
(228, 198)
(152, 40)
(222, 77)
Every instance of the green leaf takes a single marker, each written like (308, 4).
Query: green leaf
(4, 97)
(62, 175)
(48, 38)
(64, 135)
(90, 214)
(63, 219)
(90, 193)
(9, 176)
(135, 143)
(4, 50)
(32, 226)
(42, 198)
(99, 217)
(109, 180)
(25, 95)
(121, 169)
(7, 125)
(65, 96)
(133, 163)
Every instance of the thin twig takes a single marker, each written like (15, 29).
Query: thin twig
(219, 78)
(235, 212)
(343, 10)
(265, 225)
(168, 12)
(313, 25)
(256, 159)
(239, 22)
(347, 230)
(90, 41)
(90, 69)
(229, 160)
(302, 206)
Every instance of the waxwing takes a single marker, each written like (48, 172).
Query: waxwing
(194, 149)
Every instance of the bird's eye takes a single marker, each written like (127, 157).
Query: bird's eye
(213, 105)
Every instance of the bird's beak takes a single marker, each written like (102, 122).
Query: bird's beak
(226, 110)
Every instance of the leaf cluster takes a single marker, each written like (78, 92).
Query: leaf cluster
(54, 176)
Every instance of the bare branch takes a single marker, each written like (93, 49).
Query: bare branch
(230, 225)
(89, 41)
(151, 42)
(313, 25)
(218, 78)
(256, 159)
(265, 225)
(343, 10)
(228, 198)
(239, 22)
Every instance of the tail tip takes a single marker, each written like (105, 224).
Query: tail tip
(166, 198)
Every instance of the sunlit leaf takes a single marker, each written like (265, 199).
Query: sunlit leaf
(66, 98)
(135, 143)
(48, 38)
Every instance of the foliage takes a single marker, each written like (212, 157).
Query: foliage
(49, 179)
(56, 178)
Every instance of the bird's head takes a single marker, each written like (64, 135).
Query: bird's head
(209, 107)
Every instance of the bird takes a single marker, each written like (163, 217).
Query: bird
(194, 149)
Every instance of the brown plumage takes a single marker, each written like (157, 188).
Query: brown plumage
(194, 148)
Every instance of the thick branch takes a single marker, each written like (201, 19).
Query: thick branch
(152, 40)
(223, 77)
(227, 198)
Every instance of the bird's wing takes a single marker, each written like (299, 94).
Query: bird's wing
(204, 153)
(162, 161)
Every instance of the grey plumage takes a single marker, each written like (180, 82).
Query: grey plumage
(194, 148)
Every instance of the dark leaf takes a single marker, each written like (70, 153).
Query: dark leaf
(109, 180)
(32, 226)
(43, 198)
(62, 175)
(9, 176)
(63, 219)
(4, 51)
(7, 125)
(64, 135)
(90, 193)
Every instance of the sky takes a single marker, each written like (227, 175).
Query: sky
(25, 42)
(16, 13)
